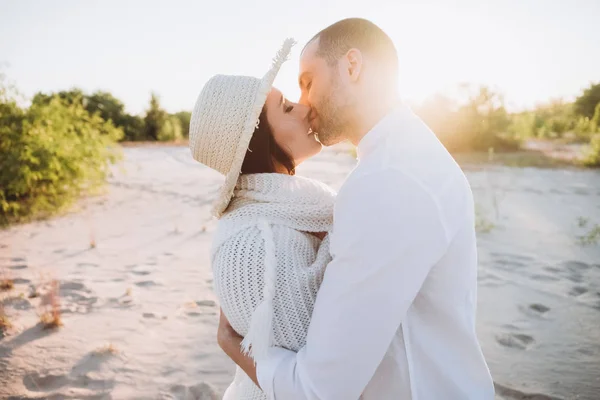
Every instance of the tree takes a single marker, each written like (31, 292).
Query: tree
(585, 105)
(523, 125)
(107, 106)
(112, 109)
(69, 97)
(133, 128)
(170, 130)
(155, 118)
(184, 119)
(477, 124)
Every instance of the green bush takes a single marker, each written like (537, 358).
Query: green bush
(592, 155)
(184, 118)
(170, 130)
(586, 104)
(49, 154)
(480, 123)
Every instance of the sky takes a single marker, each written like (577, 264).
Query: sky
(529, 50)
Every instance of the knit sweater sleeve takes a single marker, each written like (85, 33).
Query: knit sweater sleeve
(239, 280)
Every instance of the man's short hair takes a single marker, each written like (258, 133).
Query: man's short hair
(358, 33)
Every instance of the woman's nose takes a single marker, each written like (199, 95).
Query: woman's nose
(303, 110)
(303, 99)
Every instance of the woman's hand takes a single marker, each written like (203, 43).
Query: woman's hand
(231, 343)
(225, 333)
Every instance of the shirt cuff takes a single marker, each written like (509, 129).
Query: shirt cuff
(267, 366)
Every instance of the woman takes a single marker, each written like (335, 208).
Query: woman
(270, 248)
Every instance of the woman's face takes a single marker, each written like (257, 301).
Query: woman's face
(290, 123)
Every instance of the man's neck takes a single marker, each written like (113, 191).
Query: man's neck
(370, 115)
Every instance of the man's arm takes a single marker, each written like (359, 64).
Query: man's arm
(388, 234)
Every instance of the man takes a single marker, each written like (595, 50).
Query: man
(395, 315)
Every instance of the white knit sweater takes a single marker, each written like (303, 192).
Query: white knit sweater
(267, 266)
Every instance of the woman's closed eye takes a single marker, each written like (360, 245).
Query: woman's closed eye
(288, 108)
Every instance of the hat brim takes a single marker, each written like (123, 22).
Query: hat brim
(226, 192)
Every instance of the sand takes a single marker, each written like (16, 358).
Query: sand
(139, 313)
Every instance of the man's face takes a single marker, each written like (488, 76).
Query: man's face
(327, 93)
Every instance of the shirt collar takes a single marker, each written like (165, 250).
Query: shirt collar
(372, 139)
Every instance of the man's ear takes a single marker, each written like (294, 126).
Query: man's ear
(354, 60)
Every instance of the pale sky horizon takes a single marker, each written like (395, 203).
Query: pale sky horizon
(529, 50)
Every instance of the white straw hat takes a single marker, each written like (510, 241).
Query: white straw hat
(224, 119)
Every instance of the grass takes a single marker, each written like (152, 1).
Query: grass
(591, 237)
(92, 239)
(50, 318)
(6, 284)
(482, 224)
(582, 222)
(107, 348)
(591, 157)
(4, 321)
(6, 281)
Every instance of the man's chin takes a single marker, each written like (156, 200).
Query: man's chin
(327, 140)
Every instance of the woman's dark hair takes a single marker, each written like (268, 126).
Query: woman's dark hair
(264, 154)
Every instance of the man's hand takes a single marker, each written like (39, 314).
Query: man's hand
(231, 342)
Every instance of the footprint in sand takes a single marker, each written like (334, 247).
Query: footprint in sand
(87, 265)
(17, 303)
(44, 383)
(78, 298)
(17, 259)
(578, 291)
(509, 262)
(146, 284)
(534, 310)
(141, 273)
(201, 391)
(540, 308)
(515, 340)
(151, 315)
(193, 313)
(206, 303)
(18, 266)
(576, 265)
(505, 392)
(70, 285)
(21, 281)
(544, 278)
(509, 256)
(553, 270)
